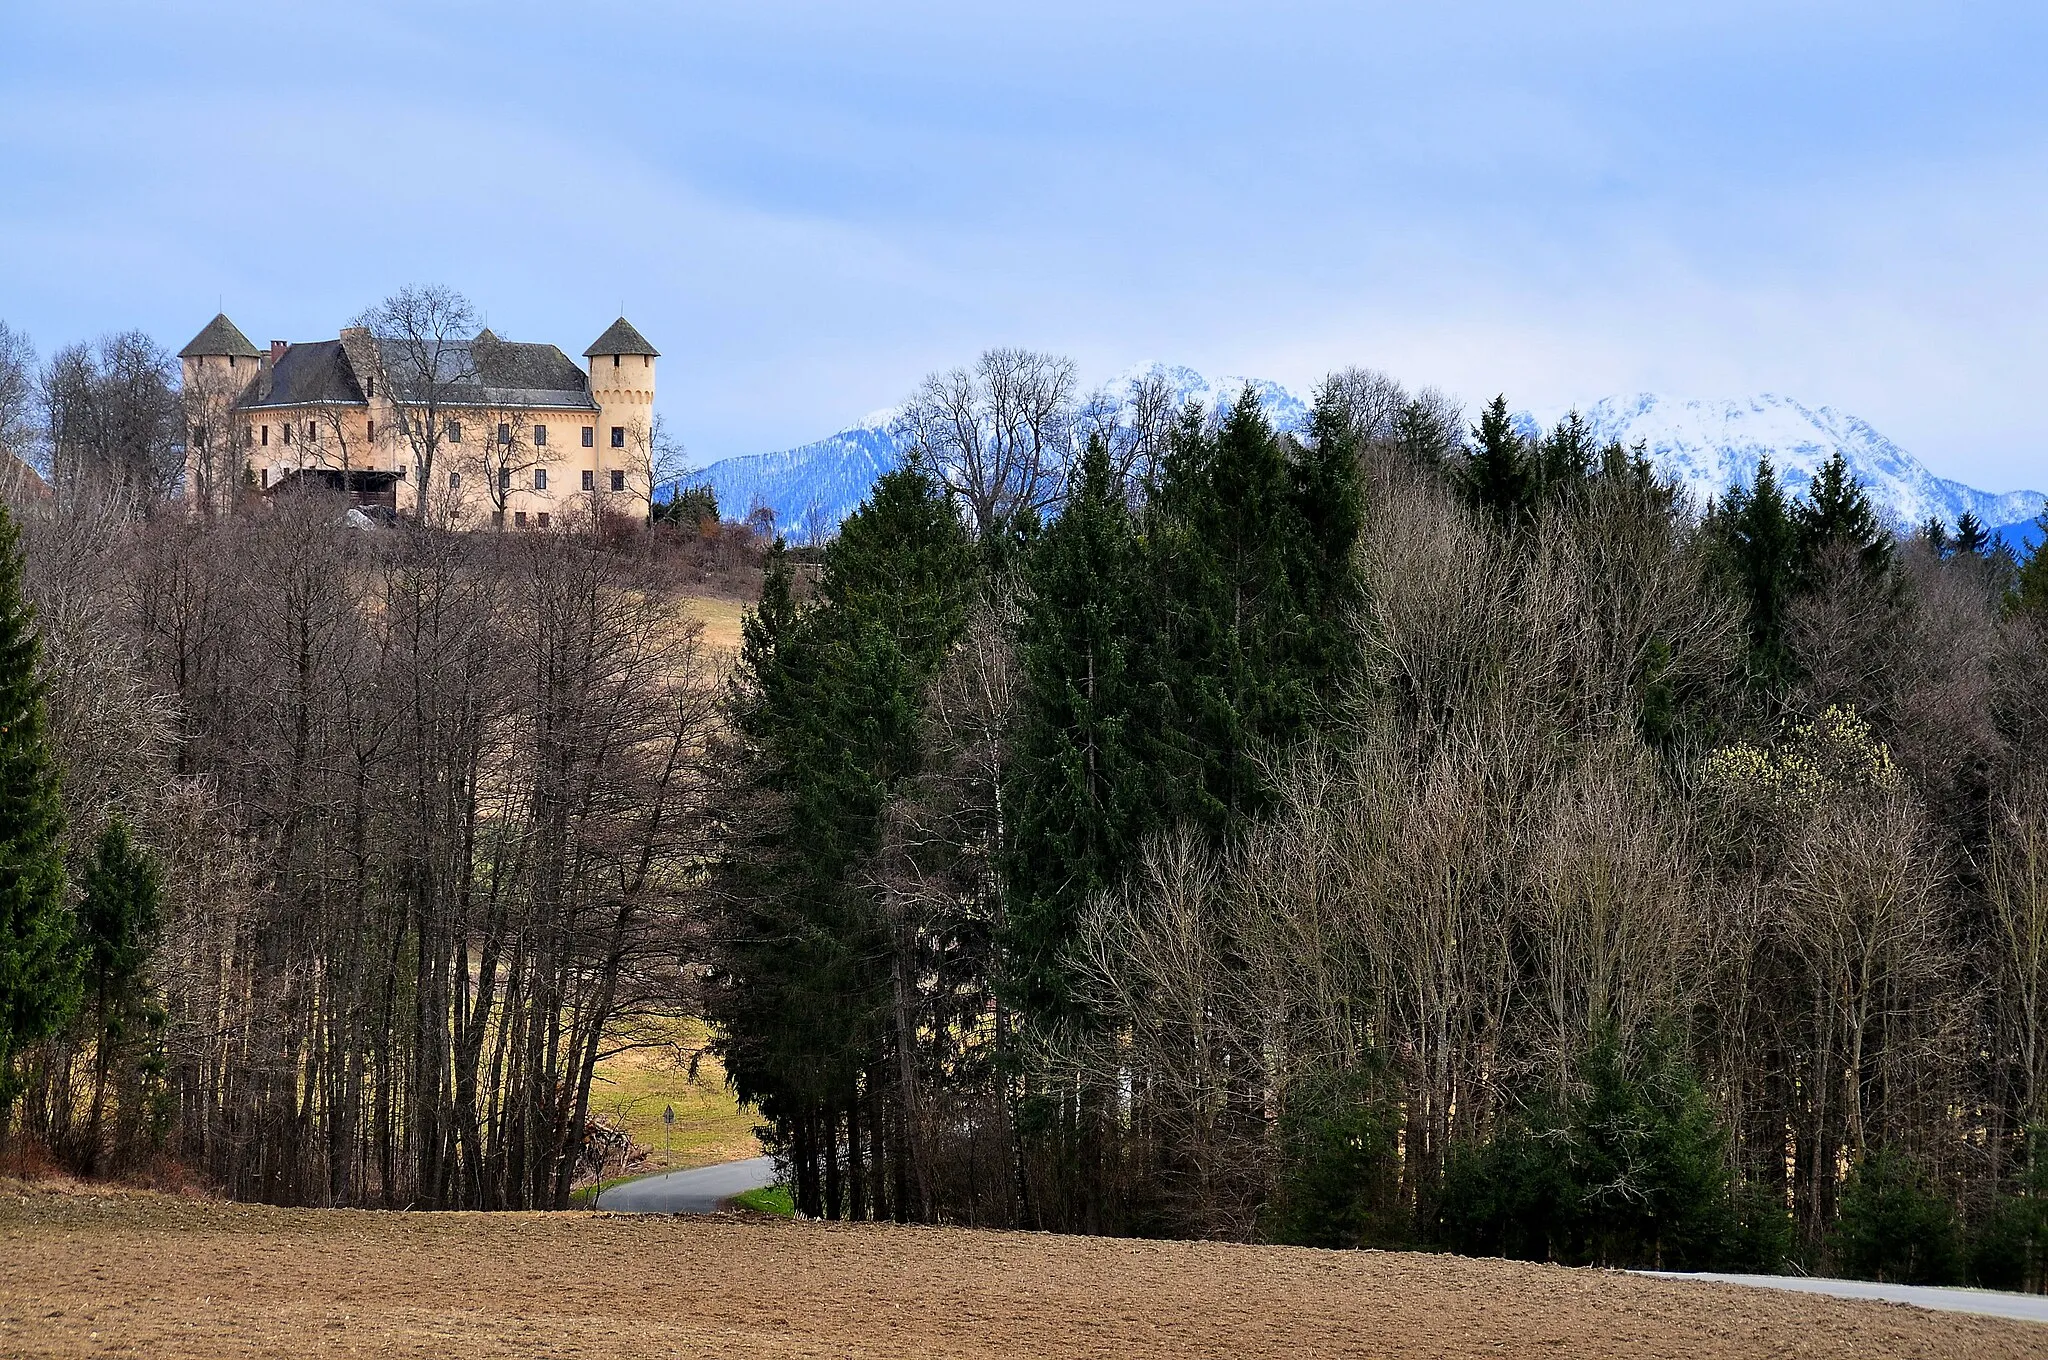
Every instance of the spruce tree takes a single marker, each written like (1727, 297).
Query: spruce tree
(1837, 511)
(1079, 790)
(828, 700)
(1563, 460)
(117, 921)
(1225, 617)
(1971, 535)
(1498, 477)
(1327, 495)
(2030, 583)
(39, 962)
(1757, 542)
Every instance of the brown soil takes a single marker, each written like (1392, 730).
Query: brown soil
(134, 1274)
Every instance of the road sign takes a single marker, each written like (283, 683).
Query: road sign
(668, 1116)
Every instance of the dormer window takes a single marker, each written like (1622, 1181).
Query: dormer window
(370, 388)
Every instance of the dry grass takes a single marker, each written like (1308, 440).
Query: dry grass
(142, 1275)
(721, 620)
(635, 1087)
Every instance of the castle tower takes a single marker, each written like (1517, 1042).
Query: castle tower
(622, 384)
(217, 366)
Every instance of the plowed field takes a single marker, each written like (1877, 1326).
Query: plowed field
(84, 1274)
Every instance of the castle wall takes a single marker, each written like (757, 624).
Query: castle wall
(624, 393)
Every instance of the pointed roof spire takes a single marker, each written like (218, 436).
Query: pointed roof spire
(486, 337)
(621, 338)
(221, 337)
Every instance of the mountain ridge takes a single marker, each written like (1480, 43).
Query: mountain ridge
(1706, 445)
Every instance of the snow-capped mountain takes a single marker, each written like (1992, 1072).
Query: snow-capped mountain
(813, 487)
(1706, 445)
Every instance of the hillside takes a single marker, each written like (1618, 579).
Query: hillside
(135, 1274)
(1706, 445)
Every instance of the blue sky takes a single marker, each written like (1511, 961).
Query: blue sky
(809, 206)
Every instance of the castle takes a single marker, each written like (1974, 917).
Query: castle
(470, 432)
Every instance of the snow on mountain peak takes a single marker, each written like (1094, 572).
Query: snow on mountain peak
(1705, 445)
(1711, 445)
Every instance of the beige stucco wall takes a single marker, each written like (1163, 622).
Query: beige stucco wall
(625, 396)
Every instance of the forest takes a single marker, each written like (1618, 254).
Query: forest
(1405, 831)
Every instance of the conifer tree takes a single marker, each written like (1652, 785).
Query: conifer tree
(39, 962)
(1328, 497)
(1837, 510)
(117, 920)
(1971, 535)
(2030, 582)
(1564, 458)
(829, 697)
(1757, 541)
(1226, 618)
(1498, 478)
(1080, 792)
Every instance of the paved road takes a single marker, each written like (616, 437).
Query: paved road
(1989, 1302)
(689, 1192)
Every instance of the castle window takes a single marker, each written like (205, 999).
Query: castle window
(287, 433)
(312, 431)
(455, 481)
(266, 436)
(373, 430)
(590, 436)
(541, 519)
(618, 436)
(589, 480)
(615, 361)
(199, 436)
(455, 432)
(540, 436)
(248, 435)
(540, 479)
(498, 519)
(618, 480)
(504, 479)
(370, 388)
(504, 433)
(266, 476)
(519, 518)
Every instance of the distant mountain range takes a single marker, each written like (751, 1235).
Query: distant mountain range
(1705, 445)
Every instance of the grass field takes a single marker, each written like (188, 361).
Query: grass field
(721, 620)
(96, 1274)
(636, 1087)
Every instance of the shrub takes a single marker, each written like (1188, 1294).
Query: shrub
(1631, 1170)
(1339, 1183)
(1892, 1226)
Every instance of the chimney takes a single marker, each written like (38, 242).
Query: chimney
(277, 349)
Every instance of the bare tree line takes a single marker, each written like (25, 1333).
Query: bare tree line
(426, 807)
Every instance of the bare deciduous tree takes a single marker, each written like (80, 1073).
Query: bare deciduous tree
(999, 435)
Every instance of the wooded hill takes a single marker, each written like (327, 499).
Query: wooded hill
(1401, 835)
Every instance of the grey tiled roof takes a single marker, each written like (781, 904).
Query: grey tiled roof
(487, 372)
(621, 338)
(312, 371)
(221, 336)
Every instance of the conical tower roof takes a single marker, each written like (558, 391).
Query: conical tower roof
(220, 337)
(621, 338)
